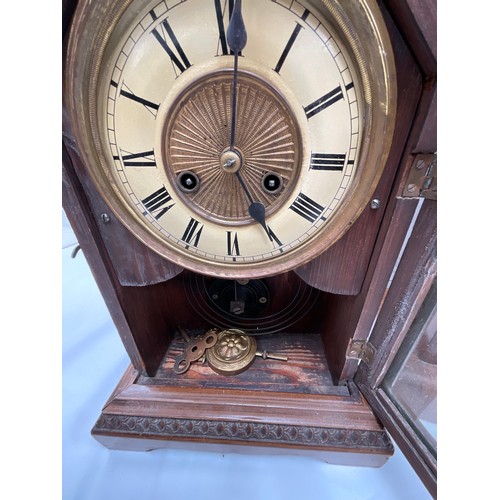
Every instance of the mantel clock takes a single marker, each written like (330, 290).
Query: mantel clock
(234, 164)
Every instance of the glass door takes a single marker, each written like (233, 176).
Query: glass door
(411, 381)
(400, 380)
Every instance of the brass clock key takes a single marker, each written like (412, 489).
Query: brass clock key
(194, 350)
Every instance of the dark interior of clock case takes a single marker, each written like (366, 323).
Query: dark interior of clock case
(284, 315)
(150, 298)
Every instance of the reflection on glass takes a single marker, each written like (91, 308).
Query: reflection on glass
(411, 380)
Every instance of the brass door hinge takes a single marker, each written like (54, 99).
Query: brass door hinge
(361, 350)
(422, 178)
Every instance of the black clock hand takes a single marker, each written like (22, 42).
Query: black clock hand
(256, 210)
(237, 39)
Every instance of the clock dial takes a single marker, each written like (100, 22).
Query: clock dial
(162, 127)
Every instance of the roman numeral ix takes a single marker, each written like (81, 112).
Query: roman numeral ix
(127, 159)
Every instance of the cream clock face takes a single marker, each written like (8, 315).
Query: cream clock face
(162, 123)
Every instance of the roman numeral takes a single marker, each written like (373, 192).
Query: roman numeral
(307, 208)
(327, 161)
(128, 163)
(290, 42)
(133, 97)
(272, 236)
(219, 12)
(138, 99)
(192, 233)
(162, 40)
(233, 247)
(158, 202)
(323, 102)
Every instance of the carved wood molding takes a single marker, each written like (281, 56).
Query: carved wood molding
(248, 432)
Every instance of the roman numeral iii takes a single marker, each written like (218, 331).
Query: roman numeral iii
(327, 161)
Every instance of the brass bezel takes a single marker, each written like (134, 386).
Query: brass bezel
(362, 30)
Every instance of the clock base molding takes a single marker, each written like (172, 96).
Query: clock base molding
(340, 429)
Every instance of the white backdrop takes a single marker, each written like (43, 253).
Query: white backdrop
(94, 361)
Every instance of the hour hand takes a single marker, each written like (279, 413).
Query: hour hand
(256, 210)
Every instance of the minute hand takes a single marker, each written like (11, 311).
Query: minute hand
(237, 39)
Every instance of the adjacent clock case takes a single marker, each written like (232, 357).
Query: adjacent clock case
(314, 313)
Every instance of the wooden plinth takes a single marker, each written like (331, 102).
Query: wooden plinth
(303, 413)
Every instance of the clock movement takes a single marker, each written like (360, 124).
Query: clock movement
(235, 174)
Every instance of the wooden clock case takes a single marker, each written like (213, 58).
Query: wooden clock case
(323, 401)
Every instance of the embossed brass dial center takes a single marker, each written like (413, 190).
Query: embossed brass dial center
(231, 161)
(197, 138)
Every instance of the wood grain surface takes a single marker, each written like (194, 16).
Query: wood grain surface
(306, 370)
